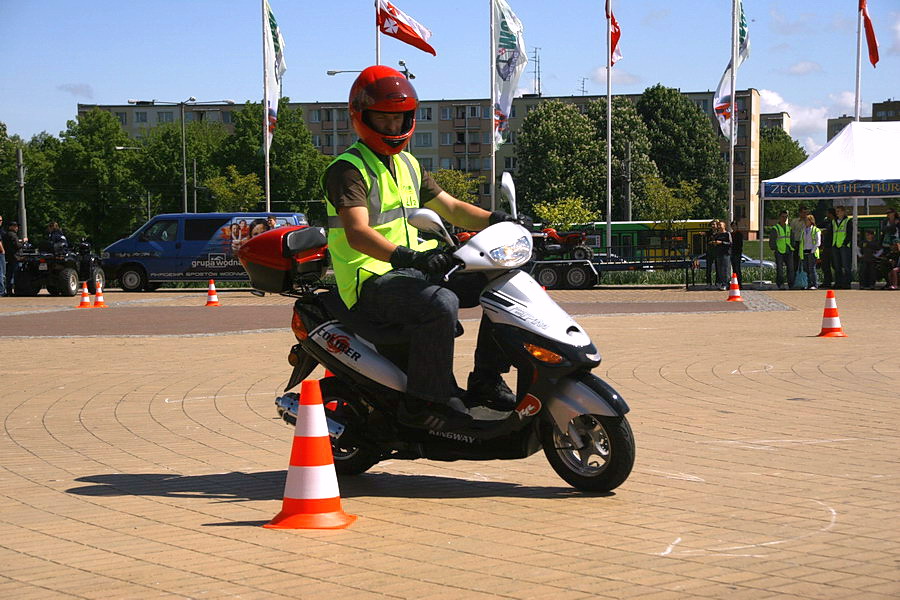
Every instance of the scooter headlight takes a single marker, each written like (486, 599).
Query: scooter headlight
(512, 255)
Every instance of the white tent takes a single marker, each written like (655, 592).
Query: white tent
(862, 161)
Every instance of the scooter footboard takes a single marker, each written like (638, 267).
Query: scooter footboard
(586, 394)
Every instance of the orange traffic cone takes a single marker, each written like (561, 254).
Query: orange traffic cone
(311, 496)
(831, 321)
(212, 299)
(85, 296)
(734, 290)
(98, 299)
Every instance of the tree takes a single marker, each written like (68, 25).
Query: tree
(564, 212)
(778, 154)
(96, 189)
(628, 131)
(459, 184)
(234, 192)
(295, 164)
(668, 205)
(559, 157)
(684, 146)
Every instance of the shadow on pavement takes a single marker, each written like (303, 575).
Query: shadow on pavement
(269, 485)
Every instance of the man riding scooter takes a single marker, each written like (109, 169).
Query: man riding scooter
(387, 276)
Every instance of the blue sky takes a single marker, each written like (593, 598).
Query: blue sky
(58, 53)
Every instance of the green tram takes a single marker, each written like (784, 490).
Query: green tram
(649, 240)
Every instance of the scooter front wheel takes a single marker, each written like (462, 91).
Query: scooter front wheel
(600, 459)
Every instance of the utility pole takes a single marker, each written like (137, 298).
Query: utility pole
(23, 218)
(583, 89)
(628, 180)
(537, 70)
(195, 185)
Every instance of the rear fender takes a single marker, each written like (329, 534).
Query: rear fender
(302, 369)
(584, 395)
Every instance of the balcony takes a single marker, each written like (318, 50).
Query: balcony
(474, 148)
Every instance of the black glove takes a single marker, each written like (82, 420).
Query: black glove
(430, 262)
(498, 216)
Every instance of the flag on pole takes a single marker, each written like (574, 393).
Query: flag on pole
(510, 60)
(394, 22)
(871, 42)
(615, 34)
(273, 50)
(722, 102)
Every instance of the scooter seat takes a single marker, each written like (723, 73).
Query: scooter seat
(373, 332)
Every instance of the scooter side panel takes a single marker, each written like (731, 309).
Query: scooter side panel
(358, 355)
(516, 299)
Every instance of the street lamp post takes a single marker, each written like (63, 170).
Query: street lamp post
(192, 101)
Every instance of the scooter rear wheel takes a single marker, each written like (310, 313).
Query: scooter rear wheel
(339, 404)
(605, 460)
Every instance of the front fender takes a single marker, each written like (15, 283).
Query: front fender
(582, 395)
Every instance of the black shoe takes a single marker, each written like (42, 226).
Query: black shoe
(489, 391)
(422, 414)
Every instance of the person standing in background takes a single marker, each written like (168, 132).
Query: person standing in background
(825, 250)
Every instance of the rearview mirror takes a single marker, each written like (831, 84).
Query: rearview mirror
(425, 219)
(508, 189)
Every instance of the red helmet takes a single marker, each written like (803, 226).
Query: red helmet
(383, 89)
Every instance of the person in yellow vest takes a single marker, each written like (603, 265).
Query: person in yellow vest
(387, 275)
(841, 251)
(784, 251)
(810, 241)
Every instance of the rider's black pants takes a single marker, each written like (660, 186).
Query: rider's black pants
(427, 313)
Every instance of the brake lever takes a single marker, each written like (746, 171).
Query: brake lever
(452, 271)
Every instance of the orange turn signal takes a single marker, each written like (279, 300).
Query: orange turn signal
(544, 355)
(299, 328)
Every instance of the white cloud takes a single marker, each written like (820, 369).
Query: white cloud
(804, 67)
(894, 48)
(803, 24)
(845, 100)
(79, 90)
(619, 77)
(808, 123)
(656, 16)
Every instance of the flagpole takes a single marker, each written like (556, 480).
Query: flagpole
(857, 101)
(377, 36)
(265, 109)
(734, 110)
(493, 66)
(608, 128)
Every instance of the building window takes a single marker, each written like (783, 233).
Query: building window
(423, 140)
(738, 184)
(342, 139)
(741, 103)
(487, 112)
(510, 162)
(486, 163)
(165, 116)
(329, 140)
(512, 137)
(473, 112)
(485, 137)
(446, 138)
(529, 108)
(486, 189)
(140, 116)
(426, 163)
(226, 117)
(446, 163)
(314, 116)
(123, 118)
(317, 141)
(424, 113)
(460, 137)
(512, 112)
(446, 115)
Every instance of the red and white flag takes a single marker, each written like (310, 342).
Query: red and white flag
(394, 22)
(871, 42)
(615, 34)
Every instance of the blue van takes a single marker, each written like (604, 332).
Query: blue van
(186, 247)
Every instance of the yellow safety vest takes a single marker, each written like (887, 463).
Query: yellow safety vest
(389, 200)
(840, 232)
(783, 240)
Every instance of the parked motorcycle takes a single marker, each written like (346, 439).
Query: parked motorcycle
(577, 418)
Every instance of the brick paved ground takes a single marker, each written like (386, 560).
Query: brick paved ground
(768, 463)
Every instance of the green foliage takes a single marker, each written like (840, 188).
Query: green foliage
(685, 147)
(628, 130)
(559, 156)
(778, 154)
(234, 192)
(670, 205)
(295, 165)
(564, 213)
(94, 184)
(459, 184)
